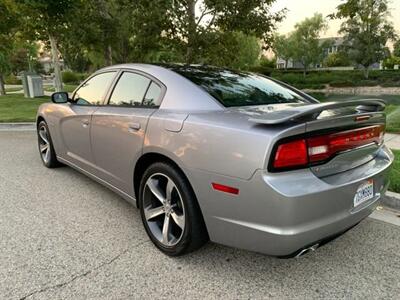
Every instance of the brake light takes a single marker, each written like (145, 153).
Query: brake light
(302, 152)
(291, 154)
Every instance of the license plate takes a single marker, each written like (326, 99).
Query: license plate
(364, 192)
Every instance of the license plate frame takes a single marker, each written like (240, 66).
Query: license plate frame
(364, 192)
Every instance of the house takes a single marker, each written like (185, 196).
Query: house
(332, 46)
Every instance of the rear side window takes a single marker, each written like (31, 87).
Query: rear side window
(93, 90)
(130, 90)
(233, 88)
(153, 95)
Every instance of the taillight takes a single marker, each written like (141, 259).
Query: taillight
(291, 154)
(313, 150)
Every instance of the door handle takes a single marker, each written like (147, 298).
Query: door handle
(85, 123)
(132, 127)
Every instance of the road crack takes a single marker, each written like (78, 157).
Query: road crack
(82, 275)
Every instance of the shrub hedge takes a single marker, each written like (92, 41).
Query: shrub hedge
(318, 79)
(70, 77)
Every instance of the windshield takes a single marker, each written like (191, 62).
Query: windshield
(233, 88)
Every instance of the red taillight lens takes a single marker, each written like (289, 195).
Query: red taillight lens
(291, 154)
(323, 147)
(300, 153)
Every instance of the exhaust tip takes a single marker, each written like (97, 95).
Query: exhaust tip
(307, 249)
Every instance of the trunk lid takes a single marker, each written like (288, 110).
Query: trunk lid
(329, 119)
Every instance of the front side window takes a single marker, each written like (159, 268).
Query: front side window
(93, 90)
(130, 90)
(233, 88)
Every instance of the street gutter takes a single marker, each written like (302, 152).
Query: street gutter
(23, 126)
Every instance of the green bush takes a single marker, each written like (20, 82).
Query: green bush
(261, 70)
(12, 79)
(70, 77)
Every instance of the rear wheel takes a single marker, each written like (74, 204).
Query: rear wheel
(169, 210)
(46, 149)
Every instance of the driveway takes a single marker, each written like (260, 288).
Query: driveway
(63, 236)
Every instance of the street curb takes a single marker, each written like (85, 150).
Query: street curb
(23, 126)
(392, 200)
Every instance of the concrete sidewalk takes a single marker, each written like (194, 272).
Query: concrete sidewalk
(392, 141)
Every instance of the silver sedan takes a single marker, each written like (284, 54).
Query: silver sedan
(214, 154)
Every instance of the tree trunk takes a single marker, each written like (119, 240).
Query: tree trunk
(366, 72)
(108, 55)
(2, 89)
(56, 63)
(304, 72)
(286, 63)
(191, 13)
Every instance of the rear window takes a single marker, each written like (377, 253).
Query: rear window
(233, 88)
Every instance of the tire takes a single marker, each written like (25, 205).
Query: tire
(45, 144)
(186, 230)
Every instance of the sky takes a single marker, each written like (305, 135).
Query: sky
(301, 9)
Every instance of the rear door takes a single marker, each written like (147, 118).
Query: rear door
(76, 121)
(118, 128)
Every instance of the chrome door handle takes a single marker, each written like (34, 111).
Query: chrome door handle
(132, 127)
(85, 123)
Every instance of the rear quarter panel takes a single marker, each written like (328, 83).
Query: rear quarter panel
(224, 142)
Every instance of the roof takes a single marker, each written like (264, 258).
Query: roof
(181, 94)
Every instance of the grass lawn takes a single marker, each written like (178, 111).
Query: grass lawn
(395, 173)
(393, 118)
(16, 108)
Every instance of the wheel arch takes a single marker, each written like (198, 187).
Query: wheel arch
(144, 162)
(39, 119)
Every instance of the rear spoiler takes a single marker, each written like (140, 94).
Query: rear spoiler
(312, 111)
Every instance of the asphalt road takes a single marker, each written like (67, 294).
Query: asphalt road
(63, 236)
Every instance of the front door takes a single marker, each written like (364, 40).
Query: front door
(75, 125)
(118, 129)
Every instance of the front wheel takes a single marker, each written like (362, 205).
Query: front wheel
(46, 149)
(169, 210)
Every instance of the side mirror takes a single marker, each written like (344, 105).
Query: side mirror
(60, 97)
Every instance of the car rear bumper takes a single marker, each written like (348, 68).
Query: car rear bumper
(281, 213)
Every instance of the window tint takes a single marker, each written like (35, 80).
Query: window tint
(92, 92)
(152, 97)
(129, 90)
(233, 88)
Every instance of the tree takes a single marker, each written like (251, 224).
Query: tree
(283, 47)
(396, 48)
(366, 30)
(8, 25)
(24, 54)
(391, 61)
(235, 49)
(305, 41)
(337, 59)
(47, 20)
(192, 22)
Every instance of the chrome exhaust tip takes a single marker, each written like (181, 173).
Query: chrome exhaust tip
(306, 250)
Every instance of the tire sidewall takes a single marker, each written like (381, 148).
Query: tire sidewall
(187, 196)
(53, 160)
